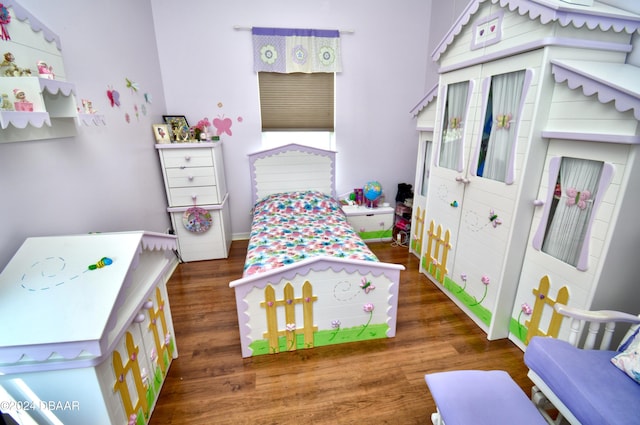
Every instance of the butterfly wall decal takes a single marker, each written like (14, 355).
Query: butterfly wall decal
(114, 96)
(131, 85)
(222, 125)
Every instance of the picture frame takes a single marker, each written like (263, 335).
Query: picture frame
(178, 127)
(161, 133)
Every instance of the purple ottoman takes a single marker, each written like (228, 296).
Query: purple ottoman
(480, 397)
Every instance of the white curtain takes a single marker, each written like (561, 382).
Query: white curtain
(453, 125)
(579, 180)
(506, 90)
(426, 168)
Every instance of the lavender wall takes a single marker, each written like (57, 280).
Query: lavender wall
(188, 58)
(206, 62)
(109, 179)
(105, 178)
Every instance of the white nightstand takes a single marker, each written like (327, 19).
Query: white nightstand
(372, 224)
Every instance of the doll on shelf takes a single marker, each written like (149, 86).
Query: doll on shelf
(87, 107)
(21, 103)
(45, 71)
(11, 69)
(6, 103)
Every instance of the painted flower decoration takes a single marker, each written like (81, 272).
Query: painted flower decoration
(367, 308)
(526, 310)
(463, 277)
(291, 327)
(327, 55)
(268, 54)
(335, 324)
(485, 280)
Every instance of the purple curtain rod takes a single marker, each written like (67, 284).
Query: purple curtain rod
(292, 31)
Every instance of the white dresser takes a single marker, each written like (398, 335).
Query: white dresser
(198, 200)
(86, 330)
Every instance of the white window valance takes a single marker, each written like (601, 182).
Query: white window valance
(287, 50)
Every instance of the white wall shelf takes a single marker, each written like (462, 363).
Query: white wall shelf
(52, 109)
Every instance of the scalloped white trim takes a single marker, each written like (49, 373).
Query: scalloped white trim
(36, 25)
(160, 242)
(427, 99)
(624, 99)
(565, 15)
(56, 86)
(22, 119)
(92, 119)
(15, 356)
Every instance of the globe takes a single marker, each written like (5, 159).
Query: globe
(372, 191)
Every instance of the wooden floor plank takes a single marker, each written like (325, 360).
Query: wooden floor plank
(377, 382)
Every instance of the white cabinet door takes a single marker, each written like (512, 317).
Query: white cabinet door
(478, 211)
(582, 277)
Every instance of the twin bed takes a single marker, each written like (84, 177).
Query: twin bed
(309, 280)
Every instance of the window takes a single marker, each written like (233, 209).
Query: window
(297, 108)
(426, 168)
(576, 187)
(500, 129)
(453, 126)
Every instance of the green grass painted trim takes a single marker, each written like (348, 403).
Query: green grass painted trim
(469, 301)
(327, 337)
(377, 234)
(518, 330)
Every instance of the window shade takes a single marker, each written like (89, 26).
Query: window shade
(296, 101)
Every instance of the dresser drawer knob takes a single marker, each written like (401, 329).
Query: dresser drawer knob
(194, 196)
(147, 305)
(187, 158)
(190, 178)
(139, 318)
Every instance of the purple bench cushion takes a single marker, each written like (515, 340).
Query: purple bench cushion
(586, 381)
(481, 397)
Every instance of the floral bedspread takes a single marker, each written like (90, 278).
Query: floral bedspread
(288, 227)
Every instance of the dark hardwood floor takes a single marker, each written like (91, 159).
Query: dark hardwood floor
(375, 382)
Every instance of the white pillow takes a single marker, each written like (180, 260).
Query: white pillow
(628, 360)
